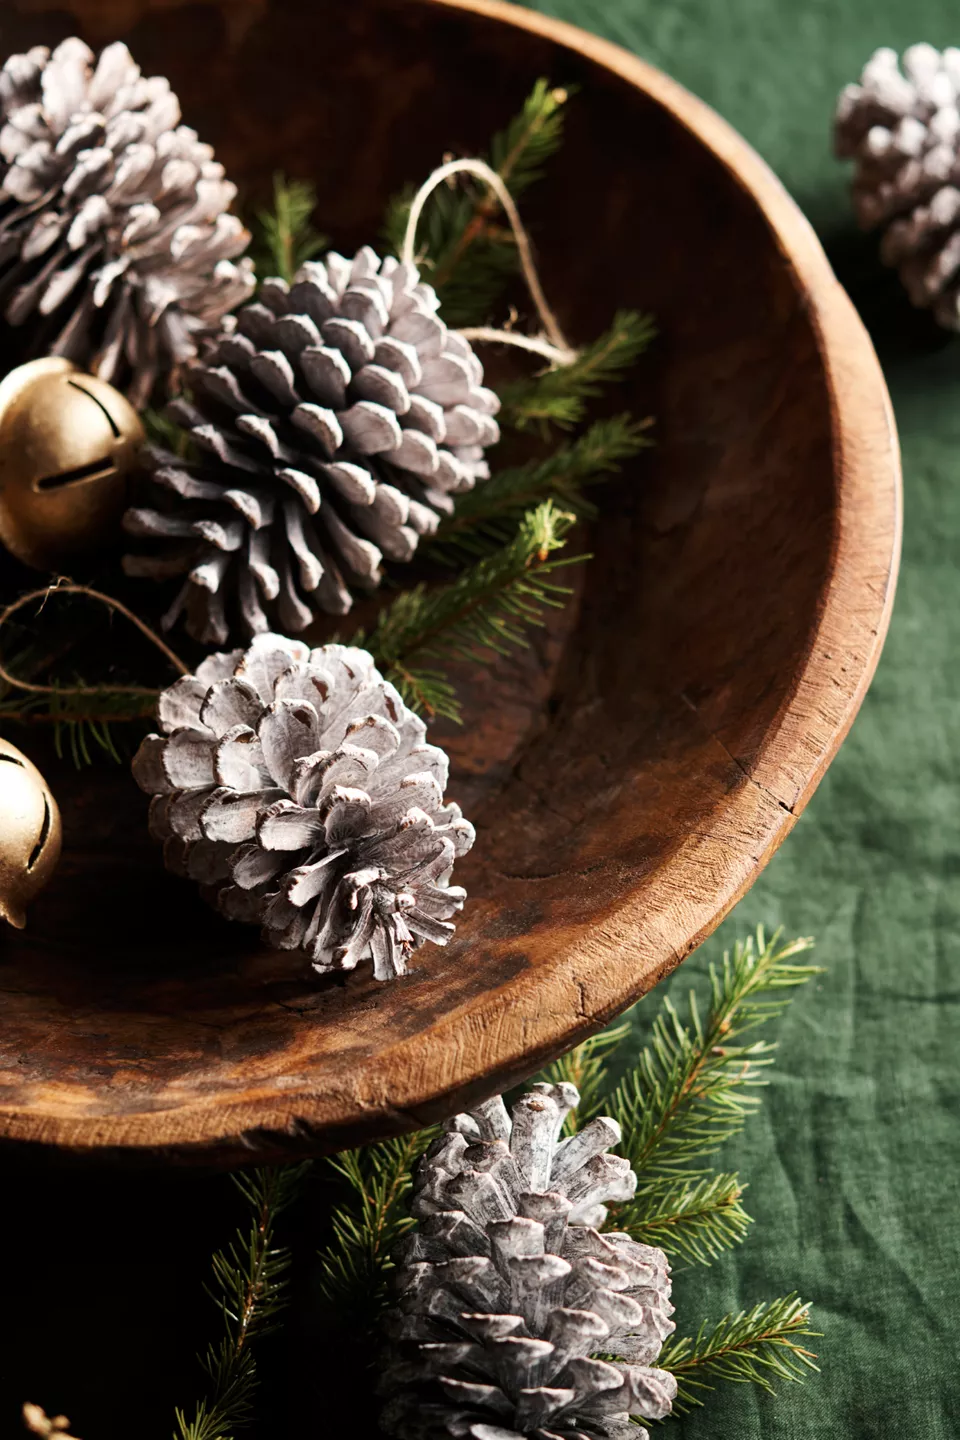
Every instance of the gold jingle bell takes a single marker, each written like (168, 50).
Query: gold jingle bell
(68, 442)
(30, 833)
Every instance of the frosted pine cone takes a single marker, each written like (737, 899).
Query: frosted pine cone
(903, 131)
(332, 428)
(297, 788)
(115, 242)
(507, 1290)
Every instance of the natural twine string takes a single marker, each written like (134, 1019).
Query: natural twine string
(555, 348)
(66, 587)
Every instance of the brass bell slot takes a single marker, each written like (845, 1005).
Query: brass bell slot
(91, 471)
(37, 850)
(12, 760)
(94, 469)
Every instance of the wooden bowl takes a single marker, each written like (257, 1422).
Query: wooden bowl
(628, 786)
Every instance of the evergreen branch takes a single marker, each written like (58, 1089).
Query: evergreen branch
(586, 1067)
(284, 235)
(358, 1259)
(483, 612)
(752, 1347)
(250, 1280)
(487, 516)
(82, 724)
(465, 251)
(693, 1221)
(558, 396)
(691, 1087)
(520, 152)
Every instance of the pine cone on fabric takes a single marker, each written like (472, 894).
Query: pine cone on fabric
(116, 247)
(331, 427)
(903, 130)
(297, 788)
(507, 1290)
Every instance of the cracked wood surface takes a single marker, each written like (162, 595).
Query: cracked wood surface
(632, 774)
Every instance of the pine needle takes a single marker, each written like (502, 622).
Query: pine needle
(284, 236)
(695, 1220)
(357, 1262)
(487, 516)
(586, 1067)
(250, 1281)
(464, 249)
(754, 1347)
(481, 614)
(691, 1088)
(83, 725)
(558, 396)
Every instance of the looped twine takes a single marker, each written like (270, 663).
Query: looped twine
(555, 346)
(67, 587)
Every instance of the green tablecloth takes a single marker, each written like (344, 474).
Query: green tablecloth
(854, 1163)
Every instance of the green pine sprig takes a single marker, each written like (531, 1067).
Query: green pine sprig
(694, 1220)
(84, 726)
(482, 613)
(366, 1224)
(250, 1282)
(284, 235)
(753, 1347)
(693, 1086)
(691, 1089)
(487, 516)
(586, 1067)
(558, 397)
(464, 248)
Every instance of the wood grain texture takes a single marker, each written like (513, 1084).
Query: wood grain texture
(628, 779)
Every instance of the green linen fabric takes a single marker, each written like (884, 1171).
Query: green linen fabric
(854, 1161)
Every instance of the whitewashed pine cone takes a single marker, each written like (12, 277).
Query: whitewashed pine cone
(330, 428)
(902, 128)
(116, 247)
(297, 788)
(507, 1290)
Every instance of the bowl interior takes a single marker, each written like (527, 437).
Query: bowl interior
(599, 767)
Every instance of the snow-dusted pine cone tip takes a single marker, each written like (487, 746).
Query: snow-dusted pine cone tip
(902, 128)
(115, 243)
(297, 788)
(507, 1289)
(331, 426)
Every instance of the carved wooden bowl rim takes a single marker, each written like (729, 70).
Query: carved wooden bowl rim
(598, 969)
